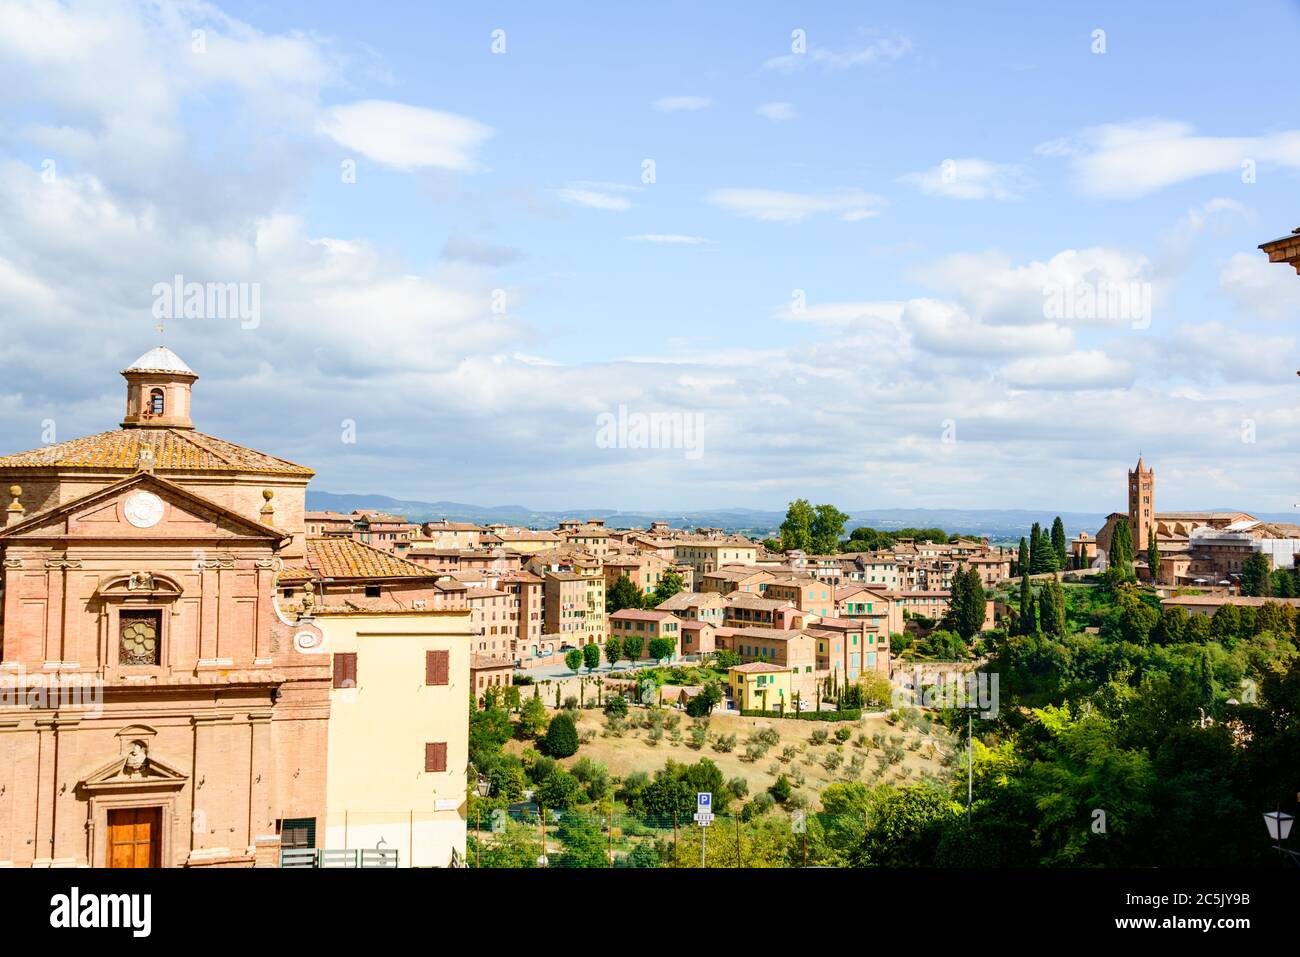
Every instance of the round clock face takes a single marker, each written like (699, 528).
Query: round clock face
(144, 510)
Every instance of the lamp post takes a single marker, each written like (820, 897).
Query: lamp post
(1279, 829)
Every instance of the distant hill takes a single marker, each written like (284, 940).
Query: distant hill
(1001, 525)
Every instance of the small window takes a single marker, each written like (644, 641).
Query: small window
(345, 669)
(435, 756)
(372, 591)
(296, 831)
(139, 637)
(156, 402)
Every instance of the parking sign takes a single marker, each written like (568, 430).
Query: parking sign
(704, 800)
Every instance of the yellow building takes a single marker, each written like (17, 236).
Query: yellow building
(760, 687)
(398, 732)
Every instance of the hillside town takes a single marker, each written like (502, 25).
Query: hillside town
(200, 672)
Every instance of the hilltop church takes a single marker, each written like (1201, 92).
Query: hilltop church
(1200, 549)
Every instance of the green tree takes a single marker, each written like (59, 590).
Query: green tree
(622, 594)
(1059, 545)
(968, 603)
(616, 706)
(827, 529)
(1022, 559)
(633, 644)
(1052, 609)
(1153, 556)
(781, 789)
(515, 847)
(591, 656)
(584, 845)
(562, 736)
(1025, 623)
(724, 659)
(703, 703)
(662, 648)
(613, 650)
(1256, 572)
(797, 529)
(670, 583)
(573, 660)
(1120, 556)
(532, 722)
(558, 791)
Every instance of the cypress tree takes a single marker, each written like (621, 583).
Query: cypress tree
(1025, 622)
(1058, 542)
(1121, 549)
(1022, 562)
(1153, 556)
(1035, 549)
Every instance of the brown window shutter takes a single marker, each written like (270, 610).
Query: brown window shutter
(345, 669)
(435, 756)
(437, 668)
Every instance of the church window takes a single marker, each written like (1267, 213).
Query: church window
(156, 402)
(139, 637)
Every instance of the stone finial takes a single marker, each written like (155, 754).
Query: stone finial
(268, 510)
(15, 510)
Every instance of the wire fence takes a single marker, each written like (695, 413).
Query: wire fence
(587, 839)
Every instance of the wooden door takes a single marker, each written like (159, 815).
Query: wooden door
(134, 837)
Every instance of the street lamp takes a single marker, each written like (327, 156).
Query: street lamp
(484, 787)
(1279, 829)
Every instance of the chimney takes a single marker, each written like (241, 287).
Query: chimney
(16, 512)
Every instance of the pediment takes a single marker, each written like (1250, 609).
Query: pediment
(141, 507)
(134, 771)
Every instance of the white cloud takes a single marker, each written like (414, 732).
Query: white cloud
(1260, 289)
(777, 112)
(1078, 370)
(944, 328)
(668, 239)
(841, 313)
(770, 205)
(594, 199)
(675, 104)
(969, 178)
(877, 52)
(998, 292)
(1125, 160)
(406, 137)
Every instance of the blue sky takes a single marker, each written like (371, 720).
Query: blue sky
(917, 177)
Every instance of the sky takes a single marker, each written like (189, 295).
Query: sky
(879, 255)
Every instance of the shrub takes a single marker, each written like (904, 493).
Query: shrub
(738, 787)
(819, 736)
(768, 736)
(616, 705)
(571, 703)
(843, 734)
(724, 743)
(699, 736)
(760, 805)
(789, 752)
(781, 789)
(562, 736)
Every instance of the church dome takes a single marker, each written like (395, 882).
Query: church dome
(160, 359)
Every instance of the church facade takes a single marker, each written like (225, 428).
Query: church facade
(156, 707)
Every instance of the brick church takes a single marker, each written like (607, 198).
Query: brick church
(156, 706)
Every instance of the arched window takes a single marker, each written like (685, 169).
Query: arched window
(156, 402)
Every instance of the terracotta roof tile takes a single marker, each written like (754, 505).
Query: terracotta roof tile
(174, 450)
(347, 558)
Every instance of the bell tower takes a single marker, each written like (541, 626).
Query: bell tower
(158, 388)
(1141, 504)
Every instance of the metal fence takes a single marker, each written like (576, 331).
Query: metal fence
(585, 839)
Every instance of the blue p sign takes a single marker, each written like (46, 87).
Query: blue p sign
(704, 799)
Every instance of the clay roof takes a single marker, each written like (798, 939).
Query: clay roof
(756, 667)
(174, 450)
(347, 558)
(636, 614)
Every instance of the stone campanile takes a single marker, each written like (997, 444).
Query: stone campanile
(1141, 504)
(158, 391)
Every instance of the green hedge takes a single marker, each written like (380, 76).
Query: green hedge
(848, 714)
